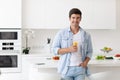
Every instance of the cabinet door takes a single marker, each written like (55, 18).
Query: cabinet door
(97, 14)
(10, 13)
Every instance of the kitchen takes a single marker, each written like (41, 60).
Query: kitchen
(39, 46)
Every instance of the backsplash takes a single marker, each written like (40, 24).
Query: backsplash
(38, 41)
(100, 39)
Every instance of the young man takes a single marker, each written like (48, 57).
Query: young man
(74, 46)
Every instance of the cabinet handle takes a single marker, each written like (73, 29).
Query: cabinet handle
(40, 63)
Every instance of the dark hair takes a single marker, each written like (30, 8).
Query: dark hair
(75, 11)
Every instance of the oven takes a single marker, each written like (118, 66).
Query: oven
(10, 63)
(10, 50)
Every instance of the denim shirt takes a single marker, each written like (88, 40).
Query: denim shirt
(64, 39)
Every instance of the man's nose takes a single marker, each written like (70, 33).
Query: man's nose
(75, 19)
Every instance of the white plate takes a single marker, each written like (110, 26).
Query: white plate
(116, 58)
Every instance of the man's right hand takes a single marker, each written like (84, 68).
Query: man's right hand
(73, 48)
(67, 50)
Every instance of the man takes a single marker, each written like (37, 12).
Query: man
(74, 46)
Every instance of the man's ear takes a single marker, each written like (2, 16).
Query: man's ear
(80, 18)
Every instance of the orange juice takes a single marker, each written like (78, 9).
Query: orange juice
(75, 43)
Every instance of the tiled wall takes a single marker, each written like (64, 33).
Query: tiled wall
(38, 40)
(100, 39)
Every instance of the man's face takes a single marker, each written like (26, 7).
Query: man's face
(75, 20)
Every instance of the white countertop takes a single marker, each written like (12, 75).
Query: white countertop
(108, 63)
(43, 61)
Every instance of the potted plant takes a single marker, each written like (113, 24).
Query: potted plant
(26, 50)
(28, 33)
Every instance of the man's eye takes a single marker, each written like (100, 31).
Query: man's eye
(73, 17)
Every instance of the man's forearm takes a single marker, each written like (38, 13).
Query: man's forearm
(87, 59)
(67, 50)
(63, 50)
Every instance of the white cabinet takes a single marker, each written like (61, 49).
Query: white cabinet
(10, 13)
(44, 74)
(10, 76)
(39, 68)
(106, 75)
(53, 14)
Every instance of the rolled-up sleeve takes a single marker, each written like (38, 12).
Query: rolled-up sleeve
(56, 43)
(89, 47)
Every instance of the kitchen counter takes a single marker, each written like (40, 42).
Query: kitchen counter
(45, 60)
(42, 65)
(42, 61)
(112, 63)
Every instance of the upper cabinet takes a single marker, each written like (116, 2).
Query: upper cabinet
(10, 13)
(54, 14)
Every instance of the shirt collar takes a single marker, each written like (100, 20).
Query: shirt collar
(69, 30)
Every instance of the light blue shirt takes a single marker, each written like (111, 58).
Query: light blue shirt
(64, 39)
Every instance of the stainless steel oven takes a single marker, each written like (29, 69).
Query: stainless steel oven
(10, 63)
(10, 50)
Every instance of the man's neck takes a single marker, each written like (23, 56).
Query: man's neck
(74, 29)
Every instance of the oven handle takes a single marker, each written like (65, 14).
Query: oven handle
(0, 72)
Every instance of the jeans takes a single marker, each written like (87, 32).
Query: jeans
(74, 73)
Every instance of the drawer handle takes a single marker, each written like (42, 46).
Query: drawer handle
(40, 64)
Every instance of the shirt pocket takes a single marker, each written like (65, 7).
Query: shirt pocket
(64, 42)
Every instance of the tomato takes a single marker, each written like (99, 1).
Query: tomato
(56, 58)
(117, 55)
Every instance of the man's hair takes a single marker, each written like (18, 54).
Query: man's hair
(75, 11)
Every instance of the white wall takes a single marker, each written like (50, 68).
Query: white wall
(100, 38)
(44, 13)
(109, 38)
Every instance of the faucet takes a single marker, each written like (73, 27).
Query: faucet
(48, 40)
(49, 44)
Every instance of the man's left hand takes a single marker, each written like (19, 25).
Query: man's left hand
(84, 64)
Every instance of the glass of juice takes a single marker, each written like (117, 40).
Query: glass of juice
(75, 43)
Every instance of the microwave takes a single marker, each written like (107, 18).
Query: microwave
(10, 39)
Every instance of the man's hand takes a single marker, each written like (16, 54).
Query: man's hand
(84, 64)
(67, 50)
(73, 48)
